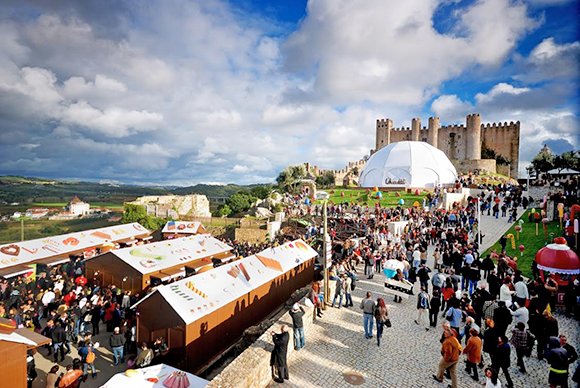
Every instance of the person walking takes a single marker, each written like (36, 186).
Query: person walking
(348, 291)
(367, 305)
(58, 340)
(557, 357)
(87, 354)
(502, 359)
(450, 350)
(278, 361)
(297, 313)
(522, 340)
(117, 343)
(381, 316)
(473, 352)
(434, 306)
(422, 306)
(338, 291)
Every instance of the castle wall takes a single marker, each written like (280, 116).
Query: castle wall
(465, 166)
(504, 140)
(458, 142)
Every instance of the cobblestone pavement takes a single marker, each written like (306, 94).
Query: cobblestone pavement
(408, 355)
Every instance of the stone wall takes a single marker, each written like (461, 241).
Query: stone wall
(252, 367)
(464, 166)
(251, 235)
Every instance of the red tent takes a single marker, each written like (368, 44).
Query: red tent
(559, 260)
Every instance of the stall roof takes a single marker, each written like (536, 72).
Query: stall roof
(160, 255)
(15, 337)
(33, 336)
(60, 246)
(157, 375)
(196, 296)
(183, 227)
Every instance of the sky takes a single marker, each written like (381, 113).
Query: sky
(176, 92)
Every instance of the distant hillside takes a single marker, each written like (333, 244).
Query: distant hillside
(38, 190)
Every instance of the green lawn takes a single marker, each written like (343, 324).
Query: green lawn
(10, 231)
(530, 241)
(360, 196)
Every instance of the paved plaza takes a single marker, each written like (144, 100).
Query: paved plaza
(408, 355)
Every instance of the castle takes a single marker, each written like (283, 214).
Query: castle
(463, 145)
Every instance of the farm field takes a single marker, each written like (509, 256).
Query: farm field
(10, 231)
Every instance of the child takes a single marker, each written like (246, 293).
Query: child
(491, 380)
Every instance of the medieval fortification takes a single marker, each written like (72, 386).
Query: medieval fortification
(463, 145)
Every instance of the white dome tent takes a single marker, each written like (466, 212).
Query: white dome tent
(408, 163)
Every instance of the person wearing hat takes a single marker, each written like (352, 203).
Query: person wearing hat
(117, 343)
(297, 313)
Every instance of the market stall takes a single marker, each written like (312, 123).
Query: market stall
(135, 268)
(58, 249)
(200, 316)
(156, 376)
(559, 260)
(176, 229)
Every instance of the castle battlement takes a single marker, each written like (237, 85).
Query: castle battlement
(462, 142)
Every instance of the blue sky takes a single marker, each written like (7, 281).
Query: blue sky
(181, 92)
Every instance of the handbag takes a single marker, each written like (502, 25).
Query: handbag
(388, 323)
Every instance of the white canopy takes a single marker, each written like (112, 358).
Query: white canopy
(183, 227)
(160, 255)
(159, 372)
(410, 164)
(196, 296)
(63, 245)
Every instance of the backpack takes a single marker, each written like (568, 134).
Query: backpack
(90, 357)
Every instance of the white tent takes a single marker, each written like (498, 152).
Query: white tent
(409, 164)
(154, 377)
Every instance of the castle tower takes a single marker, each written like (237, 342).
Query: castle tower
(433, 133)
(383, 133)
(416, 129)
(473, 134)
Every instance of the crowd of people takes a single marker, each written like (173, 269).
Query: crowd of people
(487, 307)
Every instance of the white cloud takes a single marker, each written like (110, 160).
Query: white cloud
(499, 90)
(451, 107)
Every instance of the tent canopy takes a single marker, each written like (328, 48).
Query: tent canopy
(160, 372)
(64, 245)
(410, 164)
(160, 255)
(183, 227)
(558, 258)
(196, 296)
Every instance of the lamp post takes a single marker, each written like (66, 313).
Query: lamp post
(478, 224)
(325, 250)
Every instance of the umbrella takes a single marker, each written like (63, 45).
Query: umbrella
(391, 266)
(558, 258)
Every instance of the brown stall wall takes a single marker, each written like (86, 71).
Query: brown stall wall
(12, 364)
(208, 337)
(112, 270)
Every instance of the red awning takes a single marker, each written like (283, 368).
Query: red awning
(558, 258)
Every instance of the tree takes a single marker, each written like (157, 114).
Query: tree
(544, 160)
(568, 159)
(289, 178)
(240, 202)
(138, 213)
(326, 179)
(261, 192)
(223, 211)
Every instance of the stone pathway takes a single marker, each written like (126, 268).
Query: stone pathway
(408, 355)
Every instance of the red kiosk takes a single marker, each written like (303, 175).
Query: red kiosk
(559, 260)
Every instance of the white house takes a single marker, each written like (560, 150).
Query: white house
(78, 207)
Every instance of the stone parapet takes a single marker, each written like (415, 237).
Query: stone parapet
(252, 367)
(465, 166)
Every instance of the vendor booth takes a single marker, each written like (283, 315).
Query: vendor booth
(16, 257)
(156, 376)
(176, 229)
(14, 344)
(203, 315)
(136, 268)
(559, 260)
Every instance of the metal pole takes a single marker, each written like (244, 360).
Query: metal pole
(478, 224)
(325, 251)
(21, 228)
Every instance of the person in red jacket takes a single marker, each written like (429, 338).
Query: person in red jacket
(70, 298)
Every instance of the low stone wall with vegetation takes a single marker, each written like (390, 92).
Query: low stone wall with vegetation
(252, 367)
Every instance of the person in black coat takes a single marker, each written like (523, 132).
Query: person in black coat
(278, 357)
(501, 359)
(490, 337)
(502, 318)
(434, 307)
